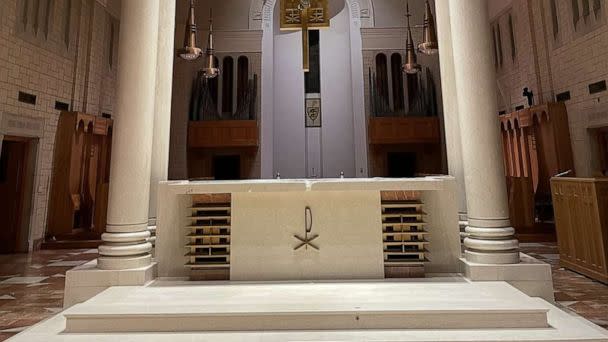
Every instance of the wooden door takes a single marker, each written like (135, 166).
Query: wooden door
(13, 163)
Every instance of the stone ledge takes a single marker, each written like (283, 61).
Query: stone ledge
(531, 276)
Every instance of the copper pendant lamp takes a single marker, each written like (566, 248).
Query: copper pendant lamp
(429, 45)
(190, 51)
(211, 69)
(411, 65)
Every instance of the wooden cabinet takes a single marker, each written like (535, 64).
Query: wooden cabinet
(581, 218)
(80, 180)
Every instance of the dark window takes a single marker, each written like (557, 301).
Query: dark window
(563, 97)
(398, 95)
(36, 13)
(227, 84)
(48, 11)
(575, 12)
(111, 44)
(597, 5)
(67, 22)
(499, 40)
(495, 45)
(554, 19)
(597, 87)
(382, 77)
(27, 98)
(512, 38)
(312, 79)
(586, 8)
(25, 13)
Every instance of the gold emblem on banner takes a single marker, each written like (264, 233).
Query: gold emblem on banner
(317, 14)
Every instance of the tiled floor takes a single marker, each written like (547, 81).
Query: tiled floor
(31, 286)
(573, 292)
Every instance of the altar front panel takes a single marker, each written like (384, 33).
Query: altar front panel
(264, 226)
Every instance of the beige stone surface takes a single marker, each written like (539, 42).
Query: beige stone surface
(267, 213)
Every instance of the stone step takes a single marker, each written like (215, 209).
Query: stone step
(311, 306)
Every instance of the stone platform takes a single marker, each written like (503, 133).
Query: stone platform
(434, 309)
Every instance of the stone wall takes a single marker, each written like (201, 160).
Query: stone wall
(554, 62)
(58, 50)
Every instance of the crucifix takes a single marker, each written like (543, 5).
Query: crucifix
(304, 15)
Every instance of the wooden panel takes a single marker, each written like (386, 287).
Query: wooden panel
(582, 224)
(80, 170)
(536, 144)
(224, 133)
(404, 130)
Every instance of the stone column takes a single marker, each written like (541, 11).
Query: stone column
(491, 237)
(450, 102)
(162, 105)
(124, 244)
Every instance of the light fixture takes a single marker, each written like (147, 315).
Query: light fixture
(211, 69)
(190, 51)
(429, 45)
(411, 65)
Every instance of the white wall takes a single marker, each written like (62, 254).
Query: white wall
(337, 143)
(288, 109)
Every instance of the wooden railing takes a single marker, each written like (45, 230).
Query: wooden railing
(223, 133)
(403, 130)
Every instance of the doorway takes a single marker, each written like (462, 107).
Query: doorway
(401, 164)
(15, 193)
(227, 167)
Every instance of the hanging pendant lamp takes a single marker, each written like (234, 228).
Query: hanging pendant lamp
(211, 69)
(190, 51)
(411, 65)
(429, 45)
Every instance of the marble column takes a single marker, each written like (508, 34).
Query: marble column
(125, 243)
(491, 237)
(450, 103)
(162, 105)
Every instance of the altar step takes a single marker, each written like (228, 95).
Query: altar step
(307, 306)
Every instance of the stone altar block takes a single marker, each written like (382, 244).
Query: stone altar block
(346, 215)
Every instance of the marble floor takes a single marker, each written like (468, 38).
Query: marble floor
(31, 286)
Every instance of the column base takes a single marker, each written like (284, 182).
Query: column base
(123, 262)
(492, 258)
(86, 281)
(529, 275)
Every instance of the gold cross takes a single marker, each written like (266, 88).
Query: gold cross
(304, 15)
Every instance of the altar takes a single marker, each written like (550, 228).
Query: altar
(307, 229)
